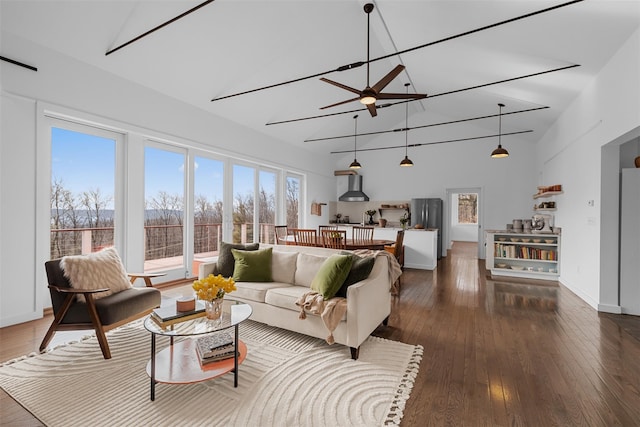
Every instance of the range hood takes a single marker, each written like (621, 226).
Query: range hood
(355, 193)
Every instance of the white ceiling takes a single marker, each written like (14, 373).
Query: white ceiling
(229, 46)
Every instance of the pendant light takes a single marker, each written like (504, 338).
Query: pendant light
(406, 162)
(499, 152)
(355, 164)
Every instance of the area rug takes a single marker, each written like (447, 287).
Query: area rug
(287, 379)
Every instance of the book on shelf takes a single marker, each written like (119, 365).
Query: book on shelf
(169, 315)
(215, 347)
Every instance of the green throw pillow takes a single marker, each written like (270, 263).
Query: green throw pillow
(226, 262)
(331, 275)
(252, 266)
(360, 269)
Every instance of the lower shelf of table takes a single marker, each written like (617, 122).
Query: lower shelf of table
(180, 364)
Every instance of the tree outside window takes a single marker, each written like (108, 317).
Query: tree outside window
(468, 208)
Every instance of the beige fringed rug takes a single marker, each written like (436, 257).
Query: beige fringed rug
(287, 379)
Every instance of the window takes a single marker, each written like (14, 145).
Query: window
(164, 180)
(468, 208)
(267, 206)
(292, 201)
(208, 206)
(83, 183)
(243, 203)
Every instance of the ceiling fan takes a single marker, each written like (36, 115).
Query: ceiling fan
(370, 94)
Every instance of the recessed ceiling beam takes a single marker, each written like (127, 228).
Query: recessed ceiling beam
(360, 63)
(18, 63)
(432, 143)
(170, 21)
(428, 97)
(425, 126)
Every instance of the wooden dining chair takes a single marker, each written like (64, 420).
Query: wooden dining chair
(326, 227)
(362, 234)
(397, 250)
(305, 236)
(281, 234)
(335, 239)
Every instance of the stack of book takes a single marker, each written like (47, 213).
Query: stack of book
(169, 315)
(215, 347)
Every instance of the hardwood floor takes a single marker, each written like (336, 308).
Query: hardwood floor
(496, 353)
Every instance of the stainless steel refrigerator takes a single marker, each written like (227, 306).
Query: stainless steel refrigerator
(428, 213)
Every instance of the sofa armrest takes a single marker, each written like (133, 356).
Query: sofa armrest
(207, 268)
(368, 303)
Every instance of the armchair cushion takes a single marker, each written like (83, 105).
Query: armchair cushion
(97, 270)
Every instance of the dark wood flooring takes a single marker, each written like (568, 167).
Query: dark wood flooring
(496, 352)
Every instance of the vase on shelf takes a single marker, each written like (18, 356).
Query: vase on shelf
(213, 309)
(371, 220)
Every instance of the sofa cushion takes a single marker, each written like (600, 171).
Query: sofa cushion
(286, 297)
(252, 266)
(331, 275)
(283, 266)
(306, 268)
(360, 269)
(96, 270)
(256, 291)
(226, 262)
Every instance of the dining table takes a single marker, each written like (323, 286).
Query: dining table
(374, 244)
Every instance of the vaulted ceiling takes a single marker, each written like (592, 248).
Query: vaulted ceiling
(227, 47)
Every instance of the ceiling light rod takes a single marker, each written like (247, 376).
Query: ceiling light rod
(420, 144)
(355, 164)
(182, 15)
(360, 63)
(430, 96)
(18, 63)
(427, 126)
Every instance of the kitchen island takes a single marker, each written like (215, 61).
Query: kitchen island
(420, 246)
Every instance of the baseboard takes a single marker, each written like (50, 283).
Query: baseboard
(608, 308)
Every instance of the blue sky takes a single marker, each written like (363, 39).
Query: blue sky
(84, 162)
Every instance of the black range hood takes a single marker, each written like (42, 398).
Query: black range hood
(355, 193)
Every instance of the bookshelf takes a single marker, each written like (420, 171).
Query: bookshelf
(534, 256)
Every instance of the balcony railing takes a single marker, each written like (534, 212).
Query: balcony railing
(161, 241)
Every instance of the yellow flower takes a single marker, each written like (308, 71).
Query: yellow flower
(213, 287)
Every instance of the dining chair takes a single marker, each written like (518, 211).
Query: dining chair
(333, 238)
(326, 227)
(397, 250)
(281, 234)
(305, 236)
(362, 234)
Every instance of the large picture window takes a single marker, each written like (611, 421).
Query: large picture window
(82, 197)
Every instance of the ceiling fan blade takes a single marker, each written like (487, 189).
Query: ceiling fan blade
(340, 103)
(387, 79)
(401, 95)
(372, 109)
(340, 85)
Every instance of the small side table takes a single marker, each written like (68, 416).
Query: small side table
(146, 277)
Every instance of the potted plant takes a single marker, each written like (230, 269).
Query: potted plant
(212, 290)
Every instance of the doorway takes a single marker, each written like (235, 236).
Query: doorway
(464, 217)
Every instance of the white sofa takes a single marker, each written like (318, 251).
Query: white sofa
(293, 269)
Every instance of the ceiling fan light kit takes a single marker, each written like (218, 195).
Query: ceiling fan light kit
(499, 152)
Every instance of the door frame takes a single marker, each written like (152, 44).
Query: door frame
(447, 214)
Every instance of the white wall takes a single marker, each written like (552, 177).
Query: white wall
(570, 153)
(74, 86)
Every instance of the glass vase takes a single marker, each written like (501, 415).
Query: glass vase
(213, 309)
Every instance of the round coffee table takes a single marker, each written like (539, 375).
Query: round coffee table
(179, 363)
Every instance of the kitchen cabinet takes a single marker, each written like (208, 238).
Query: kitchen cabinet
(535, 256)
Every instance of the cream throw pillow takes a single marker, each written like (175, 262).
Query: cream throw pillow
(97, 270)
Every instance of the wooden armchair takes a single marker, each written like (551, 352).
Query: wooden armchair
(397, 249)
(101, 314)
